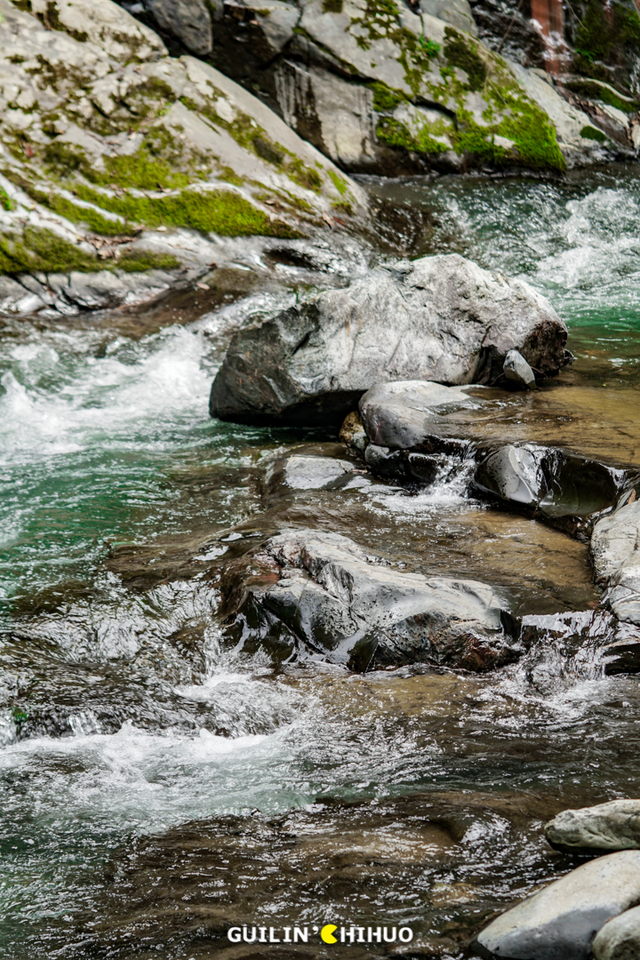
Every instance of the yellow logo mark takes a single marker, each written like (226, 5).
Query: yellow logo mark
(327, 933)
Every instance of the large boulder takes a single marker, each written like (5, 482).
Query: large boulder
(439, 318)
(393, 89)
(117, 157)
(607, 826)
(615, 552)
(560, 922)
(619, 939)
(314, 593)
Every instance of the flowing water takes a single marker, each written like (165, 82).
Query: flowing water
(157, 787)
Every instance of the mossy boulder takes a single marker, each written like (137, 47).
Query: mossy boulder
(123, 158)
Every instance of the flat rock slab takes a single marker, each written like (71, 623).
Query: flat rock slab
(316, 593)
(615, 551)
(619, 939)
(560, 922)
(440, 318)
(310, 472)
(607, 826)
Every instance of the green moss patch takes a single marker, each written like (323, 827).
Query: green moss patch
(386, 99)
(41, 250)
(211, 211)
(139, 261)
(459, 52)
(397, 134)
(5, 200)
(597, 91)
(591, 133)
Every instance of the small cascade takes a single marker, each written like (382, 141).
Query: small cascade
(549, 16)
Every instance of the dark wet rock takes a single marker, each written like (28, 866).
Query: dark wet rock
(312, 472)
(619, 939)
(313, 593)
(188, 20)
(594, 636)
(560, 922)
(615, 551)
(453, 323)
(517, 370)
(559, 487)
(607, 826)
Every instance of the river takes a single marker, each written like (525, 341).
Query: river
(143, 765)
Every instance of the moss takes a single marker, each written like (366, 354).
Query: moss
(64, 158)
(303, 175)
(606, 38)
(386, 99)
(211, 211)
(397, 134)
(5, 200)
(343, 206)
(339, 182)
(591, 133)
(268, 151)
(85, 216)
(332, 6)
(139, 170)
(42, 251)
(24, 5)
(139, 261)
(596, 91)
(459, 52)
(230, 176)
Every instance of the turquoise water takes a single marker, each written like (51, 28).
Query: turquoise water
(108, 729)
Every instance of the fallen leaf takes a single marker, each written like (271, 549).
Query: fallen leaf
(203, 286)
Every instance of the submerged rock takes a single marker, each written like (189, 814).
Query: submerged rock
(312, 472)
(452, 322)
(607, 826)
(560, 922)
(316, 593)
(615, 551)
(619, 939)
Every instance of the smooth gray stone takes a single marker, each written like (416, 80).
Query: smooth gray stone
(560, 922)
(400, 415)
(188, 20)
(607, 826)
(615, 553)
(443, 319)
(619, 939)
(308, 472)
(518, 370)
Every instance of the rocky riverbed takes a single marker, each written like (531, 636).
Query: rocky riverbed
(320, 459)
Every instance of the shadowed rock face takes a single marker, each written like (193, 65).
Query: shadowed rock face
(559, 923)
(440, 318)
(619, 939)
(312, 593)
